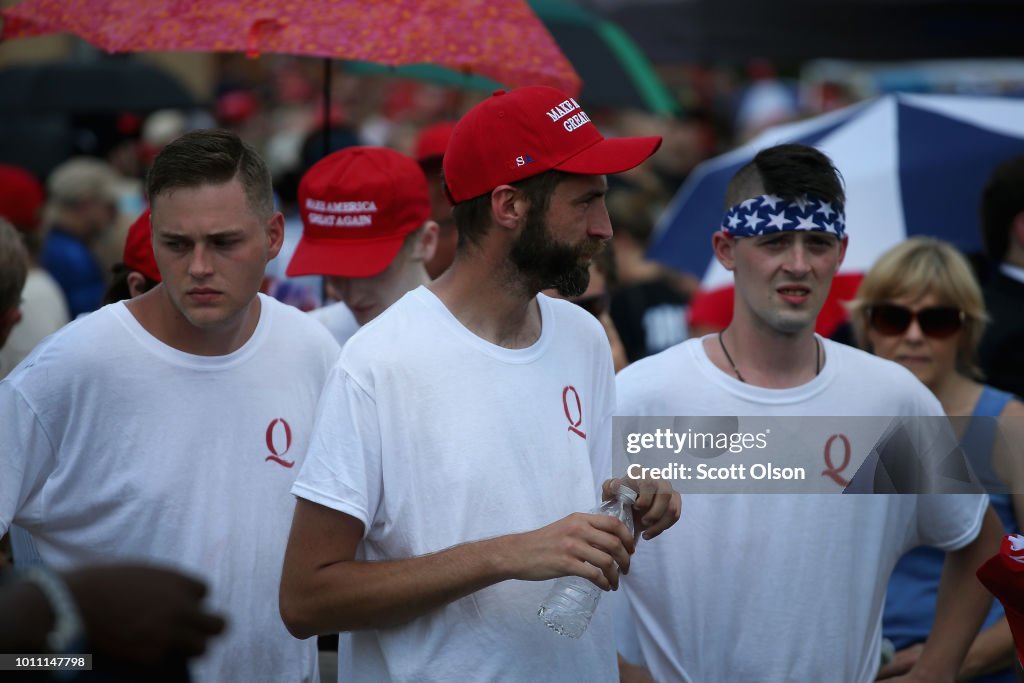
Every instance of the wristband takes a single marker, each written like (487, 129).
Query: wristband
(67, 628)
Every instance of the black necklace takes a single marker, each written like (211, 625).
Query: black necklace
(817, 357)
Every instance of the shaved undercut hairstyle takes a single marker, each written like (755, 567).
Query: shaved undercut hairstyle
(789, 172)
(212, 157)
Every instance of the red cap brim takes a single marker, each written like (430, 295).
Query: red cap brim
(344, 258)
(611, 155)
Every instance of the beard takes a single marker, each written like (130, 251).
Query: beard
(546, 263)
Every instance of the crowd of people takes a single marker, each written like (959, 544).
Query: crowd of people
(382, 409)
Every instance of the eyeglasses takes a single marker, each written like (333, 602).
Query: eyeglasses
(937, 322)
(595, 304)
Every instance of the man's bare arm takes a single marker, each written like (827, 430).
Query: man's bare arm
(325, 590)
(961, 605)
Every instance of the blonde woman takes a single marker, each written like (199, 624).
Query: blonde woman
(920, 306)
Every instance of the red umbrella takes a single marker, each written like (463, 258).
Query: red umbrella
(503, 40)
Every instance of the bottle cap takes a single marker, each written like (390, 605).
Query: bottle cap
(627, 493)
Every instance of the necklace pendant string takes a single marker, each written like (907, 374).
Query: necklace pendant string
(817, 358)
(736, 370)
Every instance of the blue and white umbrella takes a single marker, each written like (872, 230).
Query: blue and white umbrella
(912, 164)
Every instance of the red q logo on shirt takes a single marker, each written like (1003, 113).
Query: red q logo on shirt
(276, 453)
(573, 410)
(832, 470)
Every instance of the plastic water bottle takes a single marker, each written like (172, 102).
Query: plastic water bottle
(571, 603)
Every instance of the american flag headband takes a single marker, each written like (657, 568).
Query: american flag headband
(768, 214)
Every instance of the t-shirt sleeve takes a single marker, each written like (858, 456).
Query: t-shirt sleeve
(342, 469)
(950, 521)
(26, 458)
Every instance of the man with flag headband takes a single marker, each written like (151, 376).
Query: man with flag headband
(772, 587)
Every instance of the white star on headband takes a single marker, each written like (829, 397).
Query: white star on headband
(734, 221)
(770, 200)
(777, 220)
(806, 223)
(802, 202)
(826, 208)
(753, 220)
(746, 204)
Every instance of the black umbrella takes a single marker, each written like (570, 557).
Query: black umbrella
(793, 31)
(102, 86)
(53, 110)
(614, 70)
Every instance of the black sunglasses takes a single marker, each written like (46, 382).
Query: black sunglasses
(938, 322)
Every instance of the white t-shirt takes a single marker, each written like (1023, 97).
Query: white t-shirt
(777, 587)
(338, 320)
(44, 310)
(433, 437)
(119, 447)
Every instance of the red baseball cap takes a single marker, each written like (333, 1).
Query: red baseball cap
(517, 134)
(433, 141)
(21, 197)
(138, 248)
(357, 206)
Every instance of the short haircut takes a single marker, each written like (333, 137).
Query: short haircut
(1001, 200)
(13, 266)
(788, 171)
(919, 266)
(473, 216)
(212, 157)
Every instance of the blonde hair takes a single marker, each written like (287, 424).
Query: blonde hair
(914, 268)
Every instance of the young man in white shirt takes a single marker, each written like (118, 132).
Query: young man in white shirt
(168, 428)
(462, 432)
(776, 587)
(366, 227)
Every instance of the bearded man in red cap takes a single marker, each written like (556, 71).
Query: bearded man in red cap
(464, 428)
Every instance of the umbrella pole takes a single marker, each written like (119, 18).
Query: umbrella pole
(327, 104)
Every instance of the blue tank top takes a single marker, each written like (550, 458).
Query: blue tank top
(910, 601)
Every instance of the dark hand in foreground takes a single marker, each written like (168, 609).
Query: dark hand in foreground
(142, 614)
